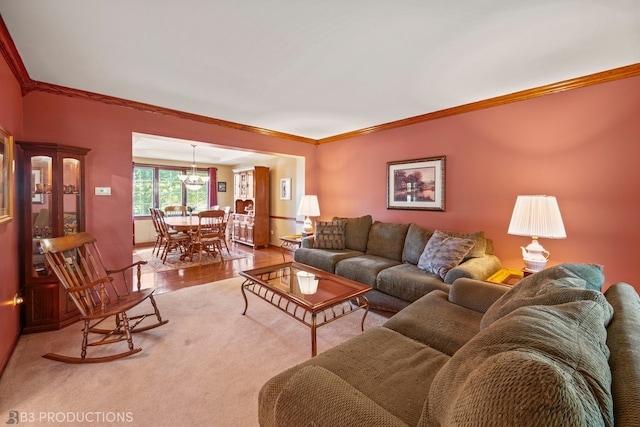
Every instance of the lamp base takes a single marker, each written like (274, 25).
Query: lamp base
(535, 257)
(308, 227)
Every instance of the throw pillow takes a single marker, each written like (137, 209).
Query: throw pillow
(479, 242)
(443, 253)
(329, 235)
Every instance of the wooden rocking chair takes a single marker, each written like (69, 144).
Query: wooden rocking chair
(99, 295)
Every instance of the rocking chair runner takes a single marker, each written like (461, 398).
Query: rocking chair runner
(77, 263)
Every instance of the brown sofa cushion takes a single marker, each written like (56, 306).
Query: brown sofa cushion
(357, 232)
(544, 361)
(414, 243)
(327, 397)
(544, 288)
(624, 340)
(329, 235)
(386, 240)
(443, 253)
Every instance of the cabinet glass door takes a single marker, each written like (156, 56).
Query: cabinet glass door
(41, 209)
(71, 195)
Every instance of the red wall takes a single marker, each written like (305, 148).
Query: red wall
(107, 130)
(582, 146)
(10, 120)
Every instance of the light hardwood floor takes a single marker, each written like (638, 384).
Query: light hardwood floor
(167, 281)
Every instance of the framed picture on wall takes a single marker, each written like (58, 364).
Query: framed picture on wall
(285, 189)
(222, 187)
(416, 184)
(6, 176)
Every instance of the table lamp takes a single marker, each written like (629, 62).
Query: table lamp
(308, 207)
(536, 216)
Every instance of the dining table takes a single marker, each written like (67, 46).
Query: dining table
(182, 223)
(187, 224)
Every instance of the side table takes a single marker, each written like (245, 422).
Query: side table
(290, 243)
(506, 276)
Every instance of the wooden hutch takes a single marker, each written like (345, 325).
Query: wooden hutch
(251, 206)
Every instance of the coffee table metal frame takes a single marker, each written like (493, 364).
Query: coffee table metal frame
(312, 315)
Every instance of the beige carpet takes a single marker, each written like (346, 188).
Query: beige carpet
(205, 367)
(174, 261)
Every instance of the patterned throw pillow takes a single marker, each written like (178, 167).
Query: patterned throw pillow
(443, 253)
(329, 235)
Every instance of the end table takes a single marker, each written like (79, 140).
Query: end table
(506, 276)
(290, 243)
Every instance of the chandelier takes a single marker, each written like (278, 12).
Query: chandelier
(192, 180)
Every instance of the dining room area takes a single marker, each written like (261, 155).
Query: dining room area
(191, 236)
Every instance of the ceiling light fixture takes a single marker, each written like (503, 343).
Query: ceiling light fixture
(192, 180)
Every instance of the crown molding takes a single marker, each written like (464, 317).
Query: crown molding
(33, 85)
(592, 79)
(12, 57)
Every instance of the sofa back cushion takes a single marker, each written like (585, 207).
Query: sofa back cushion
(539, 365)
(543, 288)
(624, 341)
(387, 240)
(414, 243)
(356, 232)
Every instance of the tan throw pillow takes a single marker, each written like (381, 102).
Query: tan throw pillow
(443, 253)
(329, 235)
(479, 242)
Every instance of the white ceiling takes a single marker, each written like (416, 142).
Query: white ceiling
(318, 68)
(163, 148)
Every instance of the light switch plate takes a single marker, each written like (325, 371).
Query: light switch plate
(103, 191)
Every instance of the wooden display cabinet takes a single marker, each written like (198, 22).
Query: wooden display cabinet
(50, 182)
(251, 206)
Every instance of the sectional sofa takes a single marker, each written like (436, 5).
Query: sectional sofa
(401, 262)
(551, 351)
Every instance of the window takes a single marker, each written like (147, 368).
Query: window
(159, 186)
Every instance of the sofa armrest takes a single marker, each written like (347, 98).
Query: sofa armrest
(475, 294)
(307, 242)
(316, 396)
(474, 268)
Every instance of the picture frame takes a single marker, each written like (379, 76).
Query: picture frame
(417, 184)
(222, 187)
(285, 189)
(7, 176)
(37, 197)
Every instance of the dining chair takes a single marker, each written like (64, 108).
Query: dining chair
(209, 236)
(171, 240)
(99, 294)
(156, 226)
(227, 216)
(175, 210)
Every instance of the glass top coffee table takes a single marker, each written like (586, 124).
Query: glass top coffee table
(311, 296)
